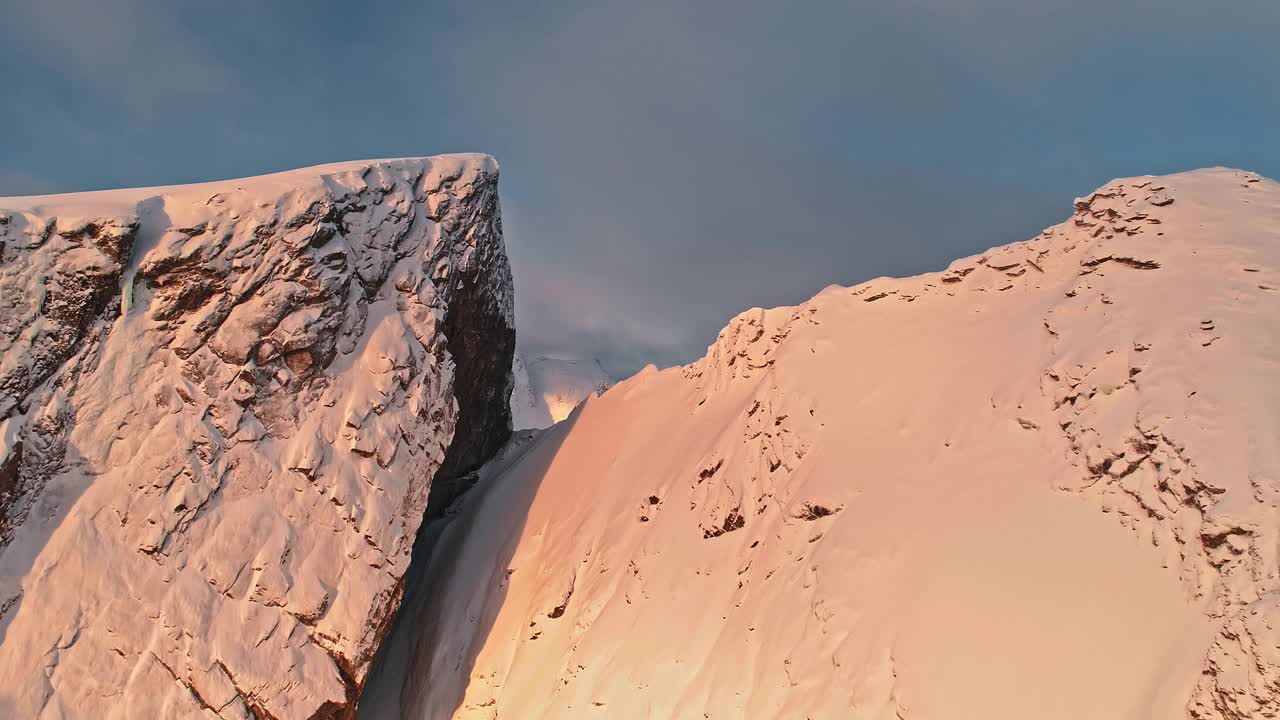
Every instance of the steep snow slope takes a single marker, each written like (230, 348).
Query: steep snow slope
(223, 408)
(1041, 484)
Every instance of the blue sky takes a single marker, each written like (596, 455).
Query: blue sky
(666, 163)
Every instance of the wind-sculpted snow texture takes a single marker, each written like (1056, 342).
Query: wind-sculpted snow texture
(1044, 483)
(223, 408)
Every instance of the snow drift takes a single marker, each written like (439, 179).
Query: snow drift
(1044, 483)
(223, 408)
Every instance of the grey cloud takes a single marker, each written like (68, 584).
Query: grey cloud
(694, 159)
(18, 183)
(141, 54)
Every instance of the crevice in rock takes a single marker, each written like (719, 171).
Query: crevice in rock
(481, 341)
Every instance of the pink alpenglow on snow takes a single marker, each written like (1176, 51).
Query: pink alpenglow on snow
(1043, 483)
(223, 409)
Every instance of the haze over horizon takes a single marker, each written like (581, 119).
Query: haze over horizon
(665, 165)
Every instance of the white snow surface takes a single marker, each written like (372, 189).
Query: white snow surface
(307, 181)
(223, 406)
(1044, 483)
(528, 408)
(549, 386)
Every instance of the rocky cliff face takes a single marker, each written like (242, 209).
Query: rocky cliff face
(1044, 483)
(224, 408)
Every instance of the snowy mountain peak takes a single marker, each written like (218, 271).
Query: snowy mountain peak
(317, 180)
(1041, 483)
(224, 409)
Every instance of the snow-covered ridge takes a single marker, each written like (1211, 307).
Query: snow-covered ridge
(1042, 483)
(223, 408)
(306, 181)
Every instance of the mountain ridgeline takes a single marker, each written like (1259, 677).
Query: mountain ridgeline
(257, 461)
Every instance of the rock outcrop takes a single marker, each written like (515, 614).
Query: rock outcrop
(1044, 482)
(223, 408)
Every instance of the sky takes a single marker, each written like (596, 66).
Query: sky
(666, 164)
